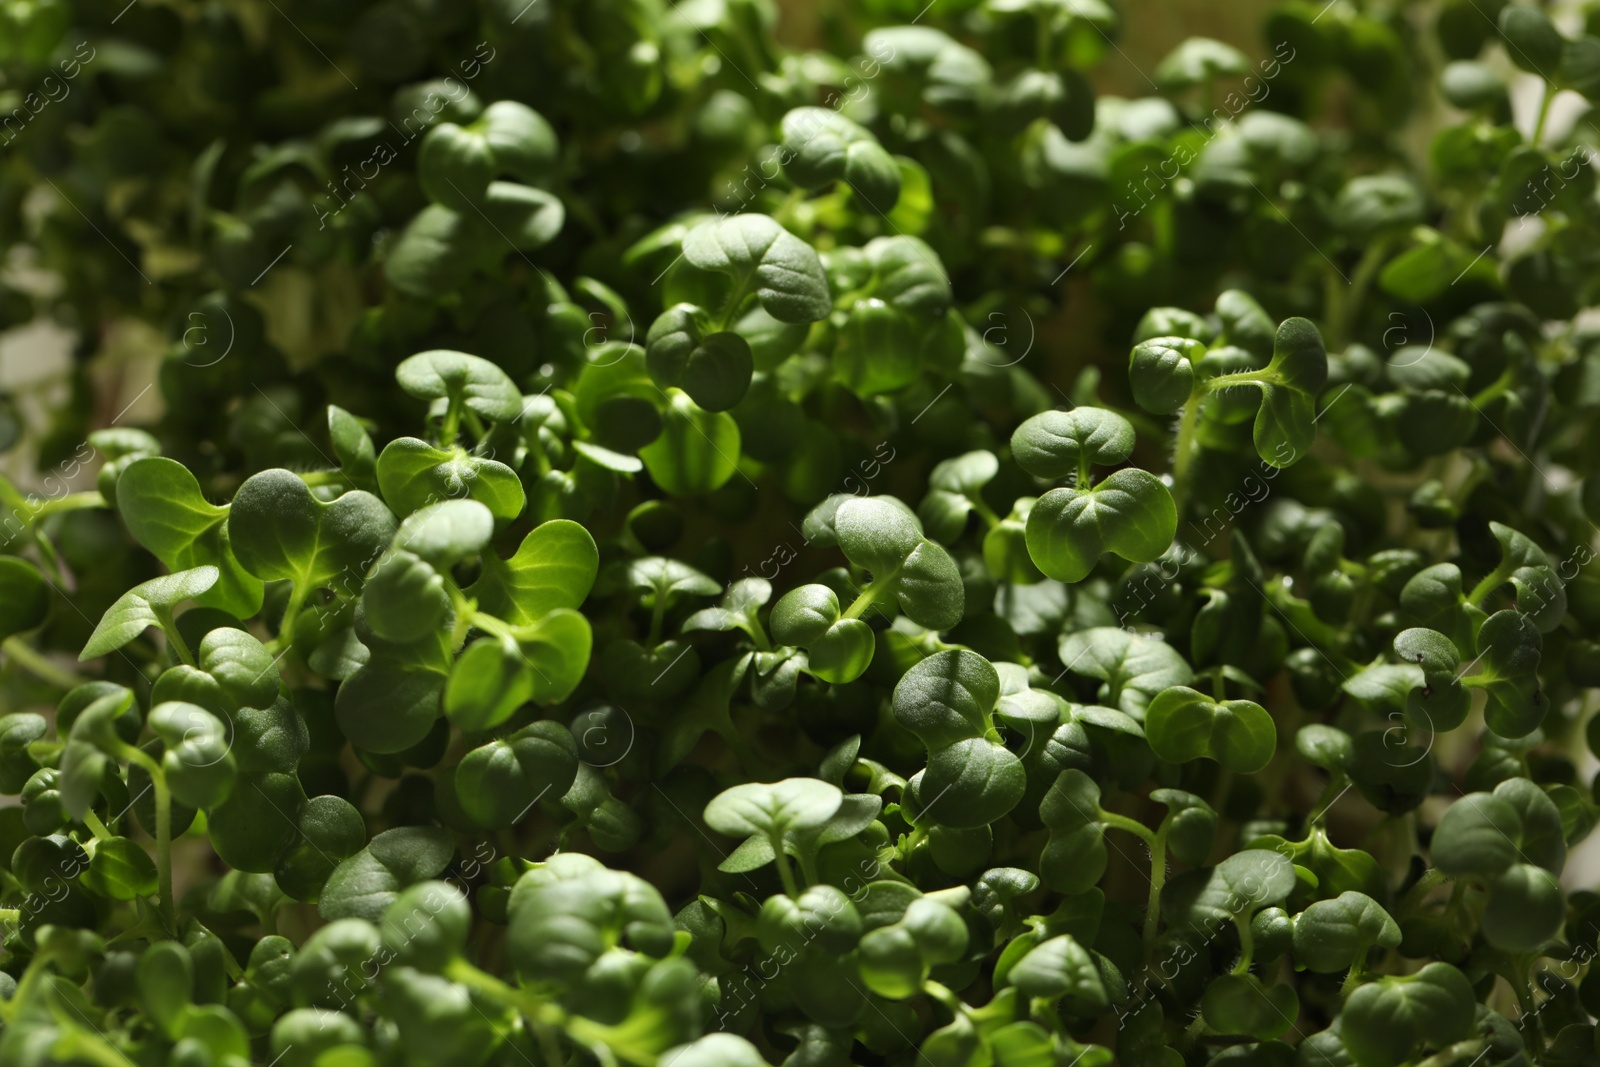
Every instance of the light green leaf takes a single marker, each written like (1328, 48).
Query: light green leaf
(146, 604)
(765, 260)
(161, 503)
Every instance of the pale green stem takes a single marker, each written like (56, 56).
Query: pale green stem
(1247, 944)
(80, 1044)
(38, 665)
(1132, 826)
(475, 425)
(291, 612)
(1352, 979)
(1545, 100)
(1184, 451)
(158, 782)
(785, 869)
(1158, 878)
(70, 502)
(658, 615)
(603, 1042)
(1494, 580)
(946, 996)
(96, 827)
(179, 646)
(452, 424)
(869, 593)
(313, 479)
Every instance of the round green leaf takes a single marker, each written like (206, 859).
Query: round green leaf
(161, 503)
(765, 260)
(1182, 724)
(1387, 1022)
(489, 682)
(1241, 1004)
(1332, 935)
(1055, 444)
(446, 533)
(697, 451)
(1161, 372)
(773, 809)
(1129, 513)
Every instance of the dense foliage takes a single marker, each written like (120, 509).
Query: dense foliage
(660, 548)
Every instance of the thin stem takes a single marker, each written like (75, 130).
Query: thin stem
(1133, 826)
(985, 512)
(70, 502)
(313, 479)
(35, 663)
(164, 849)
(1352, 979)
(1224, 787)
(476, 427)
(604, 1042)
(1480, 592)
(1046, 26)
(452, 423)
(158, 782)
(785, 869)
(946, 996)
(1247, 944)
(758, 635)
(860, 604)
(80, 1044)
(1366, 270)
(180, 647)
(1414, 897)
(658, 614)
(291, 612)
(1545, 100)
(1183, 454)
(1158, 878)
(1336, 309)
(96, 827)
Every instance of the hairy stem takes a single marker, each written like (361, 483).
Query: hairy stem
(1184, 451)
(1247, 944)
(1158, 878)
